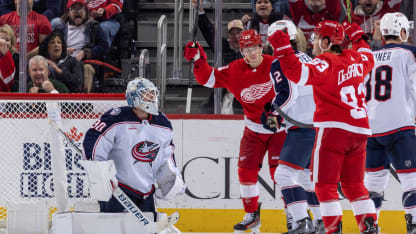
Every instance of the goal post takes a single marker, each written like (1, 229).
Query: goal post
(37, 165)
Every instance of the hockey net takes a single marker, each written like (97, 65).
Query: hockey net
(27, 148)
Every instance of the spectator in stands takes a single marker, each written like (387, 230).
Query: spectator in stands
(280, 6)
(49, 8)
(7, 68)
(7, 34)
(40, 82)
(230, 52)
(368, 11)
(263, 17)
(63, 67)
(84, 37)
(106, 12)
(308, 13)
(38, 27)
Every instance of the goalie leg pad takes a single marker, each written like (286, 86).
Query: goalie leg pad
(100, 173)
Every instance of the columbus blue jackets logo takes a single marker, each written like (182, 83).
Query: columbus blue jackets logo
(145, 151)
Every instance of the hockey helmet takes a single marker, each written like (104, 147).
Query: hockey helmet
(331, 29)
(142, 93)
(249, 38)
(281, 25)
(393, 23)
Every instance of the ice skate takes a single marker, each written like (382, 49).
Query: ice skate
(411, 227)
(303, 226)
(250, 222)
(319, 227)
(370, 227)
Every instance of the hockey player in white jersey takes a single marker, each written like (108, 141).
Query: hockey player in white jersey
(138, 138)
(292, 175)
(391, 108)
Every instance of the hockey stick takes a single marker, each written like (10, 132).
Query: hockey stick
(290, 119)
(349, 11)
(126, 202)
(191, 69)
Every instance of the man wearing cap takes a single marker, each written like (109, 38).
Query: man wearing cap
(38, 27)
(230, 52)
(84, 37)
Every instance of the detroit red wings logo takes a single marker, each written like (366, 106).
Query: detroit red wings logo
(145, 151)
(256, 91)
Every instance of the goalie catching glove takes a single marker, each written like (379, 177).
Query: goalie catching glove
(270, 120)
(280, 41)
(169, 181)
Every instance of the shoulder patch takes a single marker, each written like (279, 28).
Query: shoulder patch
(115, 111)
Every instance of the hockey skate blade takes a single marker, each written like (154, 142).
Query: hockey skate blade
(169, 221)
(252, 231)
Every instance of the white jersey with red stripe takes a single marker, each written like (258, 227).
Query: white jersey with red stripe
(251, 87)
(139, 148)
(391, 95)
(338, 86)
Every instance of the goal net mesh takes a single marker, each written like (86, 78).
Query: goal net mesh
(26, 166)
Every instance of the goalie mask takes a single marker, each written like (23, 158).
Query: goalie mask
(141, 93)
(393, 23)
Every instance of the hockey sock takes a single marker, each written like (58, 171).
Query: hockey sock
(250, 204)
(295, 200)
(314, 205)
(331, 215)
(363, 209)
(409, 202)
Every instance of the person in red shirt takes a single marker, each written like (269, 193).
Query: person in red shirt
(7, 68)
(367, 12)
(38, 27)
(105, 11)
(308, 13)
(248, 79)
(341, 121)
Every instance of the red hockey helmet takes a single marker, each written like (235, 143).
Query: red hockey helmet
(249, 38)
(331, 29)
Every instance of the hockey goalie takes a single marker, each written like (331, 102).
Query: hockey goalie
(130, 149)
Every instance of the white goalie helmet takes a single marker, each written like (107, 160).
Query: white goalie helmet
(393, 23)
(142, 93)
(282, 24)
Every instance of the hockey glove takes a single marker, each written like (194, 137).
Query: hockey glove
(269, 119)
(354, 32)
(280, 41)
(194, 51)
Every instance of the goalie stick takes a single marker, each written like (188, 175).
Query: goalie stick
(126, 202)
